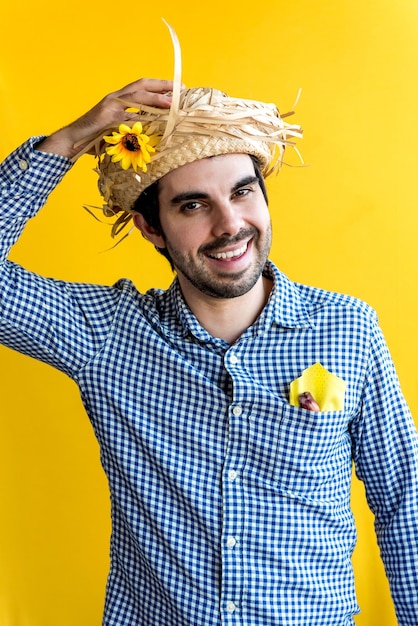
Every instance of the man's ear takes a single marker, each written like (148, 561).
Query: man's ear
(154, 236)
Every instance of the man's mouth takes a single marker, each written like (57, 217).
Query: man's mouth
(230, 254)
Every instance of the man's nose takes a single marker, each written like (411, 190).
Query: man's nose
(227, 219)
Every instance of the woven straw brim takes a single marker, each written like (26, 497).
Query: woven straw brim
(121, 188)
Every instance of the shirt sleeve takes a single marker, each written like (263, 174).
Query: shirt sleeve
(27, 177)
(386, 460)
(62, 324)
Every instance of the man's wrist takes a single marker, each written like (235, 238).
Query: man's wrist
(61, 142)
(56, 143)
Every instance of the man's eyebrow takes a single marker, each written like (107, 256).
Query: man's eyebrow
(247, 180)
(201, 195)
(189, 195)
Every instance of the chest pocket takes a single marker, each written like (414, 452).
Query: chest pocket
(303, 453)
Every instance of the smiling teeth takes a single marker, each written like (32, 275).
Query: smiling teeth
(230, 254)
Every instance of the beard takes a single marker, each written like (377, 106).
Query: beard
(224, 285)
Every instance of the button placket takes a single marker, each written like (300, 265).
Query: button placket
(232, 579)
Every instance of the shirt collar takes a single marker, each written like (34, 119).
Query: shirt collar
(285, 308)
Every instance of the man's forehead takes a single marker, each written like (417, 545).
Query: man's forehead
(226, 169)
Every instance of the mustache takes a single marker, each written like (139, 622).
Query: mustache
(224, 242)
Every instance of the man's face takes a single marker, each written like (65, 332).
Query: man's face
(216, 225)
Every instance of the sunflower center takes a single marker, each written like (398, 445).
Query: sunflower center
(131, 143)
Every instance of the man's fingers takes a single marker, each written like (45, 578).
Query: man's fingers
(155, 85)
(306, 401)
(161, 100)
(150, 91)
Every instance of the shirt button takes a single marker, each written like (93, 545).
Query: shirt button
(231, 542)
(23, 165)
(233, 360)
(237, 410)
(231, 607)
(232, 474)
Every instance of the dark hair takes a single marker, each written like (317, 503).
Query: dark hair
(147, 204)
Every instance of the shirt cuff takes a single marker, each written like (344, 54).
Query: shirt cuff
(26, 167)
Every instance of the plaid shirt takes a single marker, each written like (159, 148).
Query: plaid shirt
(229, 506)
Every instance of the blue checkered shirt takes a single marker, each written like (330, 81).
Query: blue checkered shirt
(229, 505)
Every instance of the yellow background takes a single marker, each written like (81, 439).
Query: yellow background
(347, 222)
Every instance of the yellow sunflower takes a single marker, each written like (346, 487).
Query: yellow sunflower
(131, 146)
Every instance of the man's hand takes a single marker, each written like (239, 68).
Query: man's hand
(69, 140)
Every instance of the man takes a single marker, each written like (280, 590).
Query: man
(230, 494)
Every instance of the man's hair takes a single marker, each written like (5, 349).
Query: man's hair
(147, 204)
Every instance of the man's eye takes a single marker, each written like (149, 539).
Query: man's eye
(189, 207)
(240, 193)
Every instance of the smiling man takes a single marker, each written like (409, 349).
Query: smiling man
(230, 491)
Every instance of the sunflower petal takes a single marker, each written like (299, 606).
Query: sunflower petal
(124, 129)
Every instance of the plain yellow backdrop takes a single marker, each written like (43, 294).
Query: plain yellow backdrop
(347, 222)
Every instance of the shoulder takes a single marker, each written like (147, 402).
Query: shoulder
(318, 303)
(317, 299)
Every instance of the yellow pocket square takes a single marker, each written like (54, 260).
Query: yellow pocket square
(326, 388)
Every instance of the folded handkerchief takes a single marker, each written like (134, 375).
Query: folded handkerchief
(326, 388)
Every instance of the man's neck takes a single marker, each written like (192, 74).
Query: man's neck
(228, 318)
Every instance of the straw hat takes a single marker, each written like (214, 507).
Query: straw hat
(200, 123)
